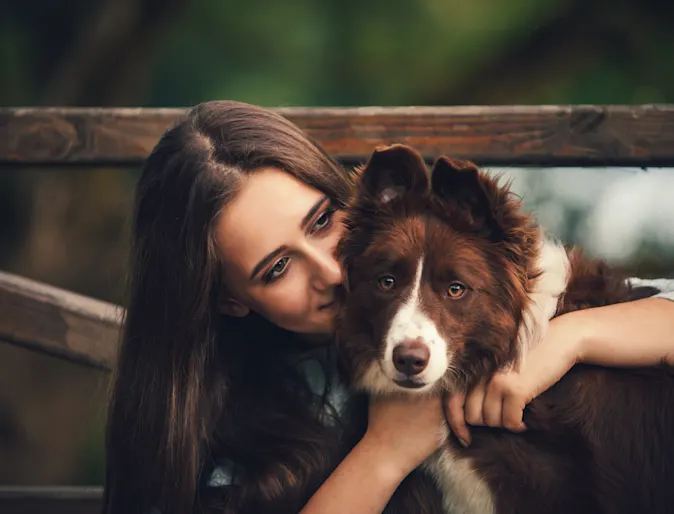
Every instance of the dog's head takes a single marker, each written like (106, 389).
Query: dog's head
(438, 267)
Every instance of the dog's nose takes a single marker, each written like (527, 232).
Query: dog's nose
(411, 357)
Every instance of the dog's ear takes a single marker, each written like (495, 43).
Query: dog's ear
(392, 172)
(459, 184)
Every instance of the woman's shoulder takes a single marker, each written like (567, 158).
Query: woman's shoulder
(657, 287)
(225, 473)
(319, 368)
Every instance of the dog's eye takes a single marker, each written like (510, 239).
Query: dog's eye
(387, 283)
(456, 290)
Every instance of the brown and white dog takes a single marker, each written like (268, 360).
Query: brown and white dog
(449, 281)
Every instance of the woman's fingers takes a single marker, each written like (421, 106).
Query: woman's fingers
(514, 401)
(474, 405)
(493, 404)
(456, 418)
(500, 403)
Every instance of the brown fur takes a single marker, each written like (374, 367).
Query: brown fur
(601, 439)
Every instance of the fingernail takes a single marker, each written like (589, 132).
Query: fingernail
(463, 443)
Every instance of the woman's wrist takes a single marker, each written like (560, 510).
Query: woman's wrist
(575, 331)
(387, 464)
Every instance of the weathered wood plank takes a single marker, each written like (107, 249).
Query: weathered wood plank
(54, 500)
(58, 322)
(537, 135)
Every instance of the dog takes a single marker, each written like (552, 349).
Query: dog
(448, 281)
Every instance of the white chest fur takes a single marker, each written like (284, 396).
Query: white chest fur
(464, 491)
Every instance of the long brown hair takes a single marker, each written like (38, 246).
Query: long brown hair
(191, 384)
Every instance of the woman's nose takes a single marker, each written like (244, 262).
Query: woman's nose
(328, 272)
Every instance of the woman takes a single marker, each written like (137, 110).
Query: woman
(224, 394)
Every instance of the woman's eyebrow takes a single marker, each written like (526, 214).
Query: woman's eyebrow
(266, 260)
(313, 211)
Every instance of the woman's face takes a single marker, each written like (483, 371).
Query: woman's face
(277, 241)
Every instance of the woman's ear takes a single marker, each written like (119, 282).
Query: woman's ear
(231, 307)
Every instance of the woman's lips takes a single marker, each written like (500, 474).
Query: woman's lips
(328, 305)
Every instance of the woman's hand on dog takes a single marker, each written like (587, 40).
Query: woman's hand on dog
(501, 401)
(405, 431)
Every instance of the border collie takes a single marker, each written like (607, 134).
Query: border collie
(449, 281)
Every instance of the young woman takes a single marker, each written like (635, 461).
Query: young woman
(225, 394)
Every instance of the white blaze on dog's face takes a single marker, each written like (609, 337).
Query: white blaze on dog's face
(433, 300)
(410, 353)
(415, 353)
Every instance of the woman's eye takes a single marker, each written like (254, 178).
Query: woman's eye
(276, 270)
(324, 220)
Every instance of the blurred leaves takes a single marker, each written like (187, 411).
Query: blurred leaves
(336, 52)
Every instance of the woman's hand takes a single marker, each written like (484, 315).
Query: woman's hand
(501, 401)
(405, 430)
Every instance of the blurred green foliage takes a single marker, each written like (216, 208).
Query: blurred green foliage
(336, 52)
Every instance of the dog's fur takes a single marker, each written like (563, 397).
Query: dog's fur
(452, 263)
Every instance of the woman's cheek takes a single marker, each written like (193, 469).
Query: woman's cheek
(286, 303)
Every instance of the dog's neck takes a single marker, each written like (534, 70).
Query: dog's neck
(550, 278)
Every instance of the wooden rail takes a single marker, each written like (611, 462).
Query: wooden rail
(58, 322)
(52, 500)
(524, 135)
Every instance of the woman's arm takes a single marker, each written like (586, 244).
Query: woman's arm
(401, 434)
(362, 483)
(637, 333)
